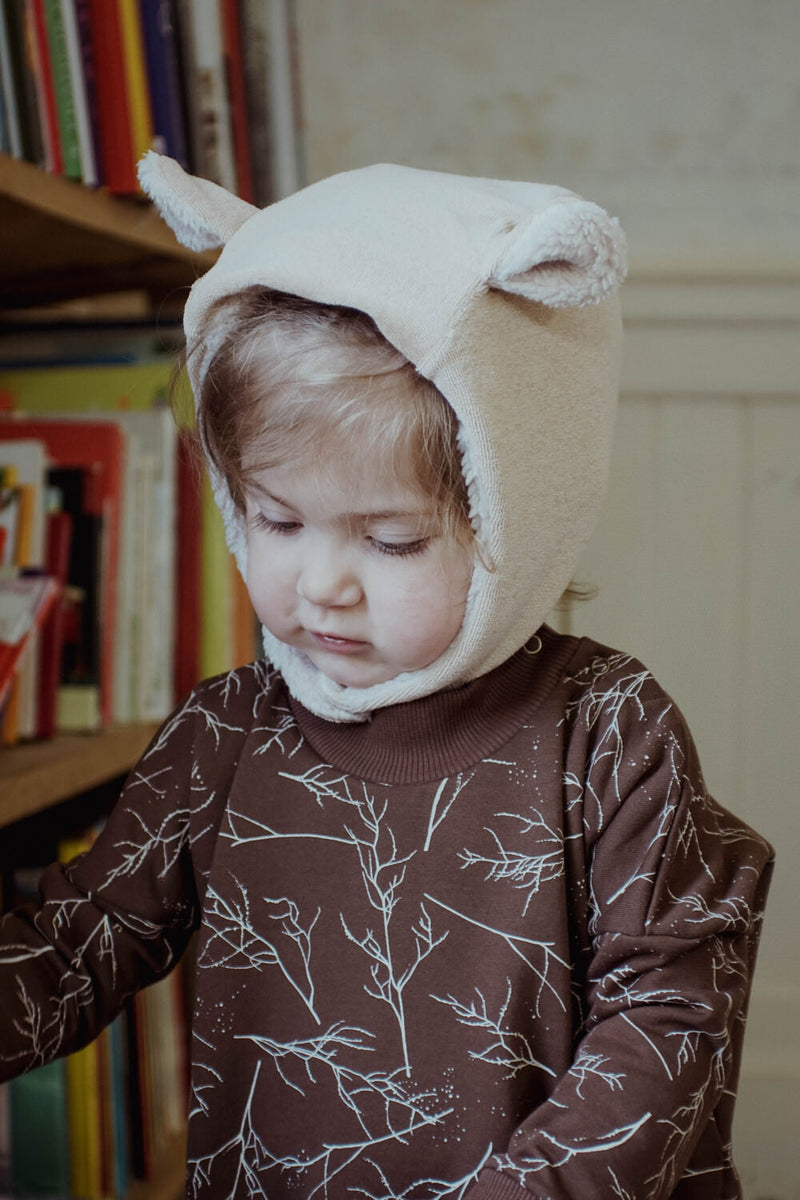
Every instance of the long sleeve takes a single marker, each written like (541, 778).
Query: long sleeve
(119, 917)
(676, 889)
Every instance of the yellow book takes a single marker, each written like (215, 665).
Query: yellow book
(136, 77)
(217, 647)
(84, 1115)
(86, 387)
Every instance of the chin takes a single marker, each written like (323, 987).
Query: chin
(354, 676)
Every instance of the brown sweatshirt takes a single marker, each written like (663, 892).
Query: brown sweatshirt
(492, 944)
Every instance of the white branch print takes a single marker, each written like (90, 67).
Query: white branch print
(599, 702)
(518, 945)
(594, 1066)
(443, 801)
(435, 1189)
(384, 1106)
(508, 1048)
(383, 871)
(236, 944)
(526, 872)
(562, 1150)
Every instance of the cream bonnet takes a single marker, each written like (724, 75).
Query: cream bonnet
(501, 293)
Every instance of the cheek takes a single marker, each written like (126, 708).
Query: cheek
(427, 612)
(265, 580)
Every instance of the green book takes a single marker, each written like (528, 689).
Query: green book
(62, 85)
(39, 1138)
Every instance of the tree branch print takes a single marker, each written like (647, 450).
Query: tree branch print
(509, 1048)
(236, 944)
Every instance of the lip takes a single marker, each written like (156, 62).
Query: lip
(337, 645)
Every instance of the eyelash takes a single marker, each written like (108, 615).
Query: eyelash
(400, 549)
(284, 527)
(390, 549)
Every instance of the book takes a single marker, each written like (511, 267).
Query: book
(27, 457)
(11, 117)
(159, 28)
(201, 22)
(40, 1163)
(67, 120)
(135, 82)
(88, 74)
(98, 447)
(59, 548)
(81, 97)
(257, 69)
(217, 642)
(234, 60)
(42, 71)
(115, 127)
(12, 518)
(189, 568)
(5, 1141)
(77, 700)
(17, 27)
(25, 601)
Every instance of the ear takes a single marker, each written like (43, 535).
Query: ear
(201, 214)
(569, 254)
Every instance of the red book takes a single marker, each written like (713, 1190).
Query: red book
(59, 539)
(235, 70)
(113, 104)
(43, 73)
(99, 447)
(25, 602)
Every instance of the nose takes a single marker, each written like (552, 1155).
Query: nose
(326, 580)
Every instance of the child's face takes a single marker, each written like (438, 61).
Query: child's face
(353, 569)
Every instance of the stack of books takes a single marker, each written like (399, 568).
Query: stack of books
(89, 85)
(118, 590)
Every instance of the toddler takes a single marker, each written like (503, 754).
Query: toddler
(468, 924)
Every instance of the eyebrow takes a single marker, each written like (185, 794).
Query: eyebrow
(382, 515)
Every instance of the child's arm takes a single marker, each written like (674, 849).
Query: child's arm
(677, 891)
(119, 917)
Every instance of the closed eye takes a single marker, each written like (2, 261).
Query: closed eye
(400, 549)
(260, 521)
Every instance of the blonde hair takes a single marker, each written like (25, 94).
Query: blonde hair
(287, 375)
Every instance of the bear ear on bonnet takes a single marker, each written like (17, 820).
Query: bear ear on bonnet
(562, 252)
(201, 214)
(569, 254)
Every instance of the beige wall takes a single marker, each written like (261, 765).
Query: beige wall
(682, 118)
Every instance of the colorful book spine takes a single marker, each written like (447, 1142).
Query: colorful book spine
(67, 118)
(113, 107)
(135, 78)
(233, 50)
(8, 90)
(163, 77)
(40, 1160)
(86, 148)
(39, 49)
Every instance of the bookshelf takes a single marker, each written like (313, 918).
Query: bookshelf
(38, 775)
(62, 241)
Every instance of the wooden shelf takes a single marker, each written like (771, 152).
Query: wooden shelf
(60, 240)
(40, 774)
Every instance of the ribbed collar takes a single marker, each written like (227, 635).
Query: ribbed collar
(448, 732)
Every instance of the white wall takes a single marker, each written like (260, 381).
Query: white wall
(681, 115)
(683, 118)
